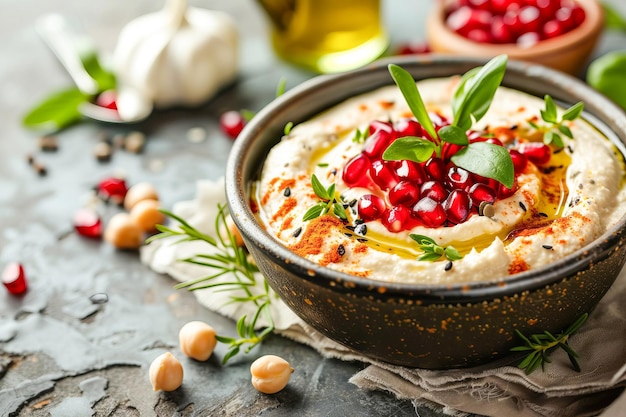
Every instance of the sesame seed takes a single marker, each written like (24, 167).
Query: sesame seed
(448, 266)
(341, 250)
(287, 192)
(297, 232)
(542, 214)
(361, 229)
(547, 246)
(522, 206)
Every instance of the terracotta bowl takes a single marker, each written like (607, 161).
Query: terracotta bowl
(416, 325)
(569, 52)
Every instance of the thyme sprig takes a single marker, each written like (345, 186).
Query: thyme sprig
(554, 125)
(433, 251)
(328, 202)
(228, 258)
(540, 345)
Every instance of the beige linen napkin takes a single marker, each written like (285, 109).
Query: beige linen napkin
(496, 389)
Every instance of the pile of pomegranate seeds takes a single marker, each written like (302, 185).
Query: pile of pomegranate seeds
(14, 279)
(524, 22)
(405, 194)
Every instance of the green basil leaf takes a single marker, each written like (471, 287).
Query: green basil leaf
(453, 134)
(104, 78)
(549, 114)
(422, 240)
(459, 92)
(452, 254)
(477, 92)
(409, 147)
(330, 191)
(408, 88)
(487, 160)
(606, 74)
(573, 112)
(318, 188)
(429, 257)
(57, 111)
(313, 212)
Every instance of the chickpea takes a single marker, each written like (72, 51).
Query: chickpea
(270, 374)
(197, 340)
(138, 192)
(146, 215)
(123, 232)
(166, 373)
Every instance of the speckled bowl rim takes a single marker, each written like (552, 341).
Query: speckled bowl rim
(237, 190)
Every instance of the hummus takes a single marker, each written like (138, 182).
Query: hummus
(556, 209)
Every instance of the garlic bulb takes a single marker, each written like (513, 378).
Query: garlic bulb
(178, 56)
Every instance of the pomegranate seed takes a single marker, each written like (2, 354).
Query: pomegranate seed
(500, 33)
(434, 190)
(482, 192)
(479, 4)
(530, 18)
(578, 15)
(371, 207)
(547, 8)
(429, 212)
(499, 6)
(538, 153)
(107, 99)
(434, 169)
(396, 218)
(377, 125)
(449, 150)
(408, 127)
(232, 123)
(414, 49)
(87, 223)
(457, 206)
(504, 192)
(354, 173)
(519, 161)
(479, 35)
(404, 193)
(382, 174)
(552, 29)
(457, 178)
(528, 39)
(376, 144)
(495, 141)
(14, 279)
(409, 170)
(565, 16)
(465, 19)
(113, 189)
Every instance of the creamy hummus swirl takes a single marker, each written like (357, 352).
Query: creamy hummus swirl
(528, 230)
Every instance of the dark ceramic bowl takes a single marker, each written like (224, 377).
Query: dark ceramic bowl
(417, 325)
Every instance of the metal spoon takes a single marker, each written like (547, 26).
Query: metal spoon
(56, 32)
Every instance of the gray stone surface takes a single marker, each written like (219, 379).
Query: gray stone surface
(61, 354)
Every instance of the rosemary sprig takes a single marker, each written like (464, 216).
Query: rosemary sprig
(433, 251)
(540, 345)
(328, 202)
(229, 258)
(555, 125)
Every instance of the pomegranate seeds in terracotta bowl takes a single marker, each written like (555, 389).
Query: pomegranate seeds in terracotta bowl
(560, 34)
(422, 210)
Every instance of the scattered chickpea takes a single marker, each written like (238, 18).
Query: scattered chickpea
(138, 192)
(197, 340)
(166, 373)
(123, 232)
(270, 374)
(146, 215)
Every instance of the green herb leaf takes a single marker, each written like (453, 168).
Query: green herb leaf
(281, 87)
(549, 114)
(57, 111)
(408, 88)
(487, 160)
(573, 112)
(422, 240)
(433, 251)
(313, 212)
(103, 77)
(429, 257)
(339, 211)
(319, 189)
(566, 131)
(409, 147)
(452, 254)
(453, 134)
(287, 128)
(475, 94)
